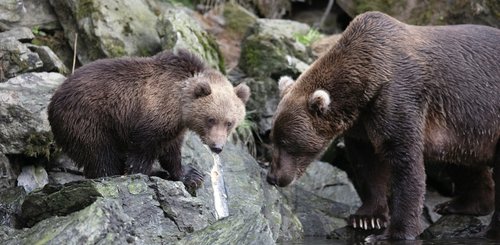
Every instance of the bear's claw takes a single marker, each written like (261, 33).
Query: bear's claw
(367, 223)
(192, 178)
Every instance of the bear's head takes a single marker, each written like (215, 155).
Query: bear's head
(306, 121)
(214, 107)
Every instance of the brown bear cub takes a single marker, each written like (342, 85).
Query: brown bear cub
(117, 116)
(400, 95)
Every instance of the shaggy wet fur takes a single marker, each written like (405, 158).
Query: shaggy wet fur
(116, 116)
(400, 94)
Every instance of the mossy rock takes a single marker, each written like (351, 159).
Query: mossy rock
(177, 29)
(272, 48)
(436, 12)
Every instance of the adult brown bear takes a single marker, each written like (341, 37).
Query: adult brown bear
(116, 116)
(400, 94)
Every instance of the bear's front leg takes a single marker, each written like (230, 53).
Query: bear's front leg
(405, 157)
(171, 159)
(371, 179)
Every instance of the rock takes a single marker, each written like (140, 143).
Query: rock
(28, 13)
(272, 48)
(455, 226)
(237, 19)
(267, 9)
(11, 11)
(20, 34)
(249, 193)
(177, 29)
(108, 28)
(32, 177)
(237, 229)
(24, 128)
(263, 102)
(323, 44)
(51, 62)
(16, 58)
(10, 206)
(485, 12)
(62, 178)
(137, 208)
(7, 173)
(319, 216)
(327, 181)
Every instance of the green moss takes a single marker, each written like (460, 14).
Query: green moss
(41, 145)
(114, 47)
(260, 58)
(307, 39)
(238, 19)
(84, 9)
(212, 51)
(137, 187)
(107, 190)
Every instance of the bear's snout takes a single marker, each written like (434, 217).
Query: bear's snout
(216, 148)
(271, 179)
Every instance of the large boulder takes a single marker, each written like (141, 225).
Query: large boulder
(486, 12)
(24, 127)
(108, 28)
(28, 13)
(178, 29)
(273, 48)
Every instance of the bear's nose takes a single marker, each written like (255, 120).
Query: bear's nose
(216, 149)
(271, 179)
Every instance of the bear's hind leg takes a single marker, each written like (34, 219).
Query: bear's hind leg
(475, 189)
(171, 159)
(371, 179)
(139, 163)
(97, 163)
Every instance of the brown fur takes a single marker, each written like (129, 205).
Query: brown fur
(116, 116)
(399, 94)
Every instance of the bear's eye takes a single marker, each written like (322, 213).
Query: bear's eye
(229, 124)
(211, 121)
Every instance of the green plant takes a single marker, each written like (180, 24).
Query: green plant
(308, 38)
(37, 32)
(244, 134)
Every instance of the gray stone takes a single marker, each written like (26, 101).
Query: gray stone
(62, 178)
(28, 13)
(10, 206)
(7, 173)
(20, 33)
(108, 28)
(455, 226)
(32, 178)
(16, 58)
(51, 62)
(177, 29)
(249, 193)
(236, 229)
(319, 216)
(11, 10)
(133, 208)
(24, 127)
(272, 48)
(263, 102)
(327, 181)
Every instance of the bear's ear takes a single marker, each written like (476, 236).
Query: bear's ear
(284, 84)
(202, 89)
(243, 92)
(319, 102)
